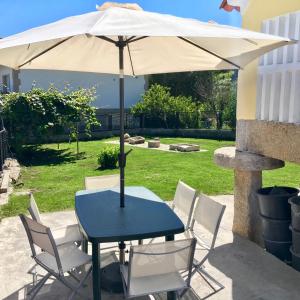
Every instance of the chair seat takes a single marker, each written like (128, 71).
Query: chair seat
(152, 284)
(71, 257)
(68, 234)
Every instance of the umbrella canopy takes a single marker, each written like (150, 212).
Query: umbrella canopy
(126, 40)
(156, 43)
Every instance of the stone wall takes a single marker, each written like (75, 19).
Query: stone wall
(272, 139)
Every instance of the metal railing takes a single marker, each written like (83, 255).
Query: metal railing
(3, 147)
(111, 121)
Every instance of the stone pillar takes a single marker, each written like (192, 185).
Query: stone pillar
(248, 179)
(246, 220)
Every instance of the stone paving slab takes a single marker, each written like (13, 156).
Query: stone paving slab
(245, 269)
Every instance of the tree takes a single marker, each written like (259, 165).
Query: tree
(38, 114)
(230, 110)
(209, 89)
(165, 110)
(217, 90)
(181, 84)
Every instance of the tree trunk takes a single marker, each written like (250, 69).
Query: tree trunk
(77, 138)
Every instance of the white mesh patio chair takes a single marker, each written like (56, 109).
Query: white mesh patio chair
(63, 235)
(207, 217)
(102, 182)
(157, 267)
(56, 260)
(184, 202)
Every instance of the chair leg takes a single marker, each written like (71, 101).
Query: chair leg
(81, 283)
(34, 291)
(74, 277)
(204, 274)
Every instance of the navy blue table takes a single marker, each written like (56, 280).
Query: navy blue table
(102, 220)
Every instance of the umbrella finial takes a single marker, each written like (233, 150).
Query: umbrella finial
(107, 5)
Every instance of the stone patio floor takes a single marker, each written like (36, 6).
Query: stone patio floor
(246, 270)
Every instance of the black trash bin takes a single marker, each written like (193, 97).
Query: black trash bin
(295, 209)
(279, 249)
(295, 260)
(275, 212)
(295, 240)
(273, 201)
(276, 230)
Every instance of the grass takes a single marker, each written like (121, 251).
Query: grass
(55, 175)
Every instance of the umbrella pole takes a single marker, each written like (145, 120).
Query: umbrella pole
(122, 158)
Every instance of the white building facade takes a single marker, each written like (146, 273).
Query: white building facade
(107, 85)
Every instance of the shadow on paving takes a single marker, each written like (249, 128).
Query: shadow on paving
(38, 156)
(255, 274)
(54, 290)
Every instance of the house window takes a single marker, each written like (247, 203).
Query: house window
(5, 84)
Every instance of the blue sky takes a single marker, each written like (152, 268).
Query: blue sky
(19, 15)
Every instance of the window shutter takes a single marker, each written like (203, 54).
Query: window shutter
(278, 86)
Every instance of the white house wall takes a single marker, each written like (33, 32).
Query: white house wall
(107, 86)
(6, 71)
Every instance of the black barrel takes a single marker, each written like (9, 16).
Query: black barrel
(275, 212)
(273, 201)
(296, 240)
(295, 260)
(276, 230)
(295, 209)
(279, 249)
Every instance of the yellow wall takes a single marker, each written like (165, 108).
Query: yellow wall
(257, 11)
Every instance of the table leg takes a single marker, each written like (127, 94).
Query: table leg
(170, 295)
(96, 271)
(122, 247)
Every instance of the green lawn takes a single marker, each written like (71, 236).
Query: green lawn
(55, 175)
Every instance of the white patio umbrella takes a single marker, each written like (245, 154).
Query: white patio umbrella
(129, 41)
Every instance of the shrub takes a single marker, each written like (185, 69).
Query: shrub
(108, 157)
(38, 114)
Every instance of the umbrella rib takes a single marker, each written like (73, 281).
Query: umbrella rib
(130, 59)
(132, 40)
(44, 51)
(210, 52)
(107, 39)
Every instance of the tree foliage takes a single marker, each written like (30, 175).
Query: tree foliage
(38, 114)
(218, 90)
(161, 108)
(213, 91)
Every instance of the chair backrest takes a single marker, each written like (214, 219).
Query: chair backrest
(40, 236)
(184, 200)
(33, 209)
(102, 182)
(208, 213)
(161, 258)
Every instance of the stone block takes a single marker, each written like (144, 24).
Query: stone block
(229, 157)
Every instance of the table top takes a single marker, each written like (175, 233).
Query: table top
(145, 215)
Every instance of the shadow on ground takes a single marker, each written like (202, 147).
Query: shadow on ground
(54, 290)
(38, 156)
(255, 274)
